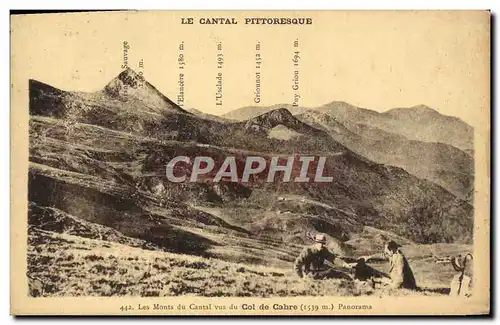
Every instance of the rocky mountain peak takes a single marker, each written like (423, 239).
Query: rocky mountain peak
(131, 85)
(128, 78)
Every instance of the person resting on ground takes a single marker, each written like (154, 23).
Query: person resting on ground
(364, 272)
(315, 262)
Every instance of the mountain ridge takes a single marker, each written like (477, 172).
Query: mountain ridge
(440, 163)
(104, 218)
(134, 159)
(430, 126)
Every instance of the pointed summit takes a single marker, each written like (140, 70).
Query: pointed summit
(130, 77)
(131, 86)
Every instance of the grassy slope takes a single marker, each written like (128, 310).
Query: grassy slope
(66, 265)
(68, 256)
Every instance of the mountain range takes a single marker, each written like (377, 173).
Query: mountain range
(99, 158)
(420, 122)
(425, 143)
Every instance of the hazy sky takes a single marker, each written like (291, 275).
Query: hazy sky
(377, 60)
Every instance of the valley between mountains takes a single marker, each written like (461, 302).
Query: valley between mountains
(104, 220)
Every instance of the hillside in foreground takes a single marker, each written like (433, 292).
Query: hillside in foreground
(66, 265)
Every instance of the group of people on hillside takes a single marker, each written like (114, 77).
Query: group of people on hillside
(317, 262)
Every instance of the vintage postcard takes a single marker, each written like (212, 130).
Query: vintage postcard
(250, 163)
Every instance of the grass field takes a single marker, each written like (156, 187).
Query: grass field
(67, 265)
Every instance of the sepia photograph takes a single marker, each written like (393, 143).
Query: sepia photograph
(251, 163)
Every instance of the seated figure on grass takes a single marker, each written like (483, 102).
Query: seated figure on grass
(316, 261)
(400, 273)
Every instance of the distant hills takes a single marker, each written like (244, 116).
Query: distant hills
(207, 116)
(100, 157)
(248, 112)
(441, 163)
(415, 123)
(419, 139)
